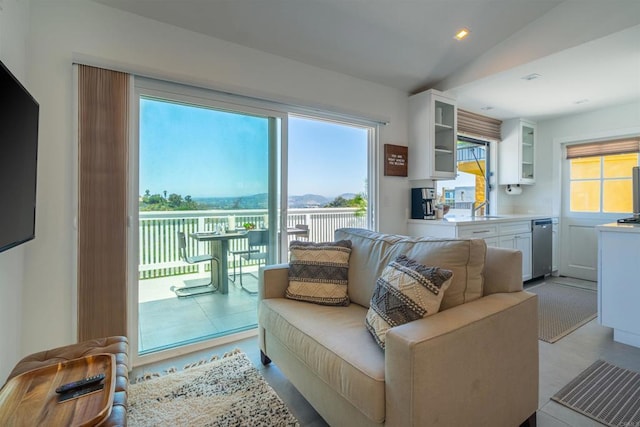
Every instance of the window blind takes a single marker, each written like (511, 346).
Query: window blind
(102, 195)
(478, 126)
(604, 148)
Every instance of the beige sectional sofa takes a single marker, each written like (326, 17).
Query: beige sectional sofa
(474, 363)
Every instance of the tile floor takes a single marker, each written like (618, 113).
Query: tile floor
(164, 320)
(559, 363)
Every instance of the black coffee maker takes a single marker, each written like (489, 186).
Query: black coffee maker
(423, 203)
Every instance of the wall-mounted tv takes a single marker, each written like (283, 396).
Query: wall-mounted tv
(18, 161)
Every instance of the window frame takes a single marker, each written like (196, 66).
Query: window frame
(565, 197)
(489, 150)
(601, 180)
(372, 157)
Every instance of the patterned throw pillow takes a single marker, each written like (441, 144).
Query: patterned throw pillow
(405, 291)
(319, 272)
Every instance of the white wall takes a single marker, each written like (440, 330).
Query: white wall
(63, 28)
(544, 197)
(14, 31)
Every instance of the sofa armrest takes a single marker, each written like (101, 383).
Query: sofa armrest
(273, 281)
(502, 271)
(473, 364)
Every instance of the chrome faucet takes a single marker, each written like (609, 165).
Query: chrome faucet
(474, 208)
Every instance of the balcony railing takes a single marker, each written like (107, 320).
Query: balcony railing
(466, 154)
(158, 244)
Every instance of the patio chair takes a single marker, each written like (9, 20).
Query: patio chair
(304, 235)
(199, 289)
(236, 253)
(258, 250)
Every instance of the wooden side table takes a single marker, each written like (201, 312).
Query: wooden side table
(30, 398)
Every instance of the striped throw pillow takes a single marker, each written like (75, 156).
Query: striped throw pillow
(319, 272)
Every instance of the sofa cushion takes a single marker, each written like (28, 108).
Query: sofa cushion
(406, 291)
(333, 344)
(318, 272)
(464, 257)
(372, 251)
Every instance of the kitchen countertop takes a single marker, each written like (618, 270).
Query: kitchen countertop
(621, 228)
(454, 220)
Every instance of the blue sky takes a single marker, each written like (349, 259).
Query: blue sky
(326, 158)
(201, 152)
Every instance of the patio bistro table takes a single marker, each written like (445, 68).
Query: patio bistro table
(220, 249)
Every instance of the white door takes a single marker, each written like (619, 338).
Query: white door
(580, 255)
(595, 190)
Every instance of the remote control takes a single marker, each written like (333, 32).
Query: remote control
(79, 392)
(80, 383)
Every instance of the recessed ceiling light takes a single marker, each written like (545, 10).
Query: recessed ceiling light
(532, 76)
(461, 34)
(581, 101)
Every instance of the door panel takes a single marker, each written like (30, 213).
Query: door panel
(580, 257)
(207, 169)
(590, 196)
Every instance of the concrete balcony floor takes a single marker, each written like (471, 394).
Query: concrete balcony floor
(166, 320)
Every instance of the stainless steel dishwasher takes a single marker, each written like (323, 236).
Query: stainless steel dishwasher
(541, 247)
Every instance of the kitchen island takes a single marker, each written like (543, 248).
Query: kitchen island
(505, 231)
(619, 280)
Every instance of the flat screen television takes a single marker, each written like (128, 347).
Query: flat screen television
(18, 161)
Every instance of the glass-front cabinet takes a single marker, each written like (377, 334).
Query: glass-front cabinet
(433, 129)
(516, 152)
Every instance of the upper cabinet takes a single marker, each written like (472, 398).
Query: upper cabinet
(516, 153)
(433, 130)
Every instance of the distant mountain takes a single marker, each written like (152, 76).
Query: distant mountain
(256, 201)
(308, 201)
(348, 196)
(259, 201)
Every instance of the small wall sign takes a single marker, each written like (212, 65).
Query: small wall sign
(395, 160)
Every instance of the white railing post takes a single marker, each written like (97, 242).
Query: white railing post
(307, 220)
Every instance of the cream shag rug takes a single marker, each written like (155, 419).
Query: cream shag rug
(224, 392)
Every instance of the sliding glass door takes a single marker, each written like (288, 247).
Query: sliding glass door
(210, 178)
(328, 176)
(207, 204)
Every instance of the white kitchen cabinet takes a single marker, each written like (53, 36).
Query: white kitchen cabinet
(494, 242)
(516, 152)
(504, 233)
(517, 235)
(521, 242)
(433, 136)
(618, 284)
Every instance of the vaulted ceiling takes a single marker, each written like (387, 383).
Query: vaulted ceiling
(586, 52)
